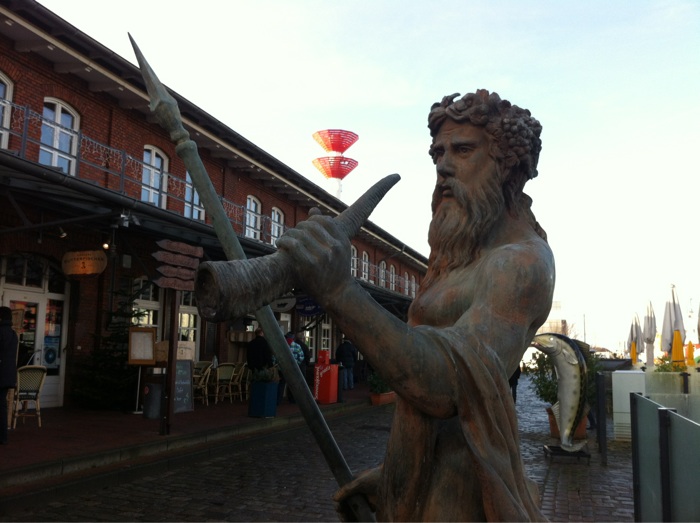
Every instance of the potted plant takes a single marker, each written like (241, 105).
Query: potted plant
(380, 391)
(263, 393)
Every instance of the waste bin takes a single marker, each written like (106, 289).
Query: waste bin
(152, 395)
(325, 379)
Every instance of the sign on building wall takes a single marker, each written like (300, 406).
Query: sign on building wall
(84, 262)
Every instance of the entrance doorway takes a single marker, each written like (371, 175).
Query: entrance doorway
(42, 330)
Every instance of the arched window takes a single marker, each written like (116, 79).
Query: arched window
(154, 176)
(392, 277)
(193, 207)
(413, 286)
(365, 265)
(406, 286)
(5, 110)
(252, 217)
(382, 274)
(353, 261)
(276, 225)
(59, 136)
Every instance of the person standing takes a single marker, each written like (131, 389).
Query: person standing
(8, 366)
(258, 353)
(513, 382)
(298, 354)
(299, 339)
(346, 354)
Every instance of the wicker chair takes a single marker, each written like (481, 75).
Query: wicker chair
(30, 381)
(224, 381)
(240, 381)
(202, 380)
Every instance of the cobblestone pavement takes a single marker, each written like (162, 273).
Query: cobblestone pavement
(283, 477)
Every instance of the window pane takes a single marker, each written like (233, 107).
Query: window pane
(35, 273)
(15, 270)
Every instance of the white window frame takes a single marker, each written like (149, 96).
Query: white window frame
(413, 286)
(382, 273)
(151, 307)
(392, 277)
(353, 261)
(276, 225)
(5, 111)
(61, 152)
(406, 286)
(189, 321)
(253, 217)
(365, 266)
(154, 177)
(193, 206)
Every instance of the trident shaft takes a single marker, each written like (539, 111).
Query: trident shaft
(165, 108)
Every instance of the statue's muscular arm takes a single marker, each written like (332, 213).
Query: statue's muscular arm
(499, 306)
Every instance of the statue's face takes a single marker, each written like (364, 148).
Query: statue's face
(461, 155)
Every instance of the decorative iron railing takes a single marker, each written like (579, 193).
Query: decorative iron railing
(122, 173)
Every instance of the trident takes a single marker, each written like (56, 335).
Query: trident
(166, 111)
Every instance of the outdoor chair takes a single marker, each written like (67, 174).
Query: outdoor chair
(30, 381)
(240, 378)
(202, 380)
(224, 381)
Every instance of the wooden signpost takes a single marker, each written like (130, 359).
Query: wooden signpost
(180, 261)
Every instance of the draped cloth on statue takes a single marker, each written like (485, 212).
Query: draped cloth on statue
(466, 467)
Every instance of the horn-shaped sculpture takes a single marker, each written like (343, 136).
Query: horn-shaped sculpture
(231, 289)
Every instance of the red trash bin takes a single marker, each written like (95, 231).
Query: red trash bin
(325, 379)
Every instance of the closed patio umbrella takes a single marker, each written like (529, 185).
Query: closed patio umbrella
(649, 333)
(635, 344)
(673, 332)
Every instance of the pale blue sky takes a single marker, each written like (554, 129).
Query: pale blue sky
(614, 84)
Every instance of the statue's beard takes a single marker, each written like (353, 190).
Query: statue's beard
(457, 232)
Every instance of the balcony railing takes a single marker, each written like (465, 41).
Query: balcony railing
(118, 171)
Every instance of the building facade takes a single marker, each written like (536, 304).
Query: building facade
(89, 184)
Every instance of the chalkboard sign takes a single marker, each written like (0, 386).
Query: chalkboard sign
(182, 396)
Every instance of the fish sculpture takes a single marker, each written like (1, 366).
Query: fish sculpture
(570, 367)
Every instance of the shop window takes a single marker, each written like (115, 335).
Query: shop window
(154, 176)
(59, 136)
(252, 218)
(25, 271)
(146, 306)
(189, 317)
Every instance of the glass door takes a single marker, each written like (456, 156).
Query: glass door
(40, 339)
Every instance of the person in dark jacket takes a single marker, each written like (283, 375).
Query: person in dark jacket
(259, 354)
(346, 354)
(8, 366)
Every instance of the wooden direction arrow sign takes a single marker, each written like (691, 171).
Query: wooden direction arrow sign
(181, 248)
(176, 272)
(176, 259)
(175, 283)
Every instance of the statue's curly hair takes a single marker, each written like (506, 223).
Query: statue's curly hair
(515, 134)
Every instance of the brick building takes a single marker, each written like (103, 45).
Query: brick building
(89, 183)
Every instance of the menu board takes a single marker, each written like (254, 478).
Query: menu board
(142, 345)
(182, 395)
